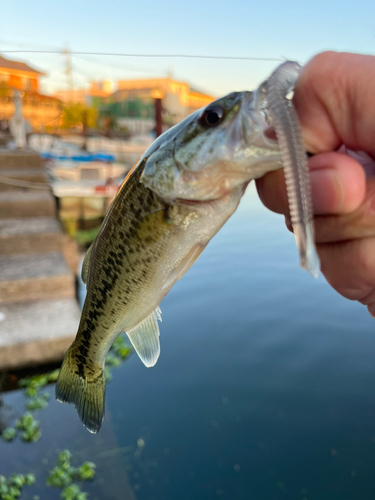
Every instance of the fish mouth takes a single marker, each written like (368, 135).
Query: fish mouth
(256, 122)
(194, 202)
(270, 134)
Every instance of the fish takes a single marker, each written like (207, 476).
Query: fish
(179, 194)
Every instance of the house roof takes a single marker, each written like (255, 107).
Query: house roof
(18, 66)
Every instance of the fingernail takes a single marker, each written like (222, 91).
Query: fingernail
(327, 191)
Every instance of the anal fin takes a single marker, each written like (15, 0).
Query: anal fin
(145, 338)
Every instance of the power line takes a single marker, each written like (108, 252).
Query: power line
(127, 68)
(191, 56)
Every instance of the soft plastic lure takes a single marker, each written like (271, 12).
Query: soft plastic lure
(275, 104)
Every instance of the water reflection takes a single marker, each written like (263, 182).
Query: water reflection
(263, 390)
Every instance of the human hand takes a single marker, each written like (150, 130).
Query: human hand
(335, 102)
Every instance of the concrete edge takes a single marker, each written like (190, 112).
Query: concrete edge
(37, 352)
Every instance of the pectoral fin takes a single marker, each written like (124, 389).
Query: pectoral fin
(145, 338)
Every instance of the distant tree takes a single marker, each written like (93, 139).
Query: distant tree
(79, 115)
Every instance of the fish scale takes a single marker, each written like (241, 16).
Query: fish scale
(118, 253)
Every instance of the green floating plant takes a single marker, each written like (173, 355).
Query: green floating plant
(35, 400)
(86, 236)
(112, 360)
(9, 434)
(63, 475)
(30, 428)
(73, 492)
(121, 347)
(37, 382)
(87, 471)
(108, 374)
(11, 487)
(119, 351)
(38, 402)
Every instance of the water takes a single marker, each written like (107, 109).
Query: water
(264, 389)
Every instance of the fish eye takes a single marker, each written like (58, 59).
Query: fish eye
(212, 116)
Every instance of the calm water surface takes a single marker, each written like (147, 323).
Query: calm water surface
(264, 390)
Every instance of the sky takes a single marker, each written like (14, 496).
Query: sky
(293, 30)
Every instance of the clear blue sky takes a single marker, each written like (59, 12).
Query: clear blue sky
(295, 29)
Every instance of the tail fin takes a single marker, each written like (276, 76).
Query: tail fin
(86, 391)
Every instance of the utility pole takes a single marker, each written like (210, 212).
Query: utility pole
(158, 117)
(157, 95)
(84, 129)
(68, 68)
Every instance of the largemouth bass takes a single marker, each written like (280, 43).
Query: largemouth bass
(174, 200)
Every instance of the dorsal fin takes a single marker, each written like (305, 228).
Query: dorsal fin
(86, 263)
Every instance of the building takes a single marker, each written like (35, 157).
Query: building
(179, 99)
(131, 107)
(39, 110)
(19, 75)
(97, 90)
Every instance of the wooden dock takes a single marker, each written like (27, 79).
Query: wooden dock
(39, 313)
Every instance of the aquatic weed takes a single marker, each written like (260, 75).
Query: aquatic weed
(38, 381)
(87, 471)
(9, 434)
(119, 351)
(29, 427)
(121, 347)
(11, 487)
(63, 475)
(86, 236)
(73, 492)
(107, 374)
(35, 400)
(38, 402)
(112, 360)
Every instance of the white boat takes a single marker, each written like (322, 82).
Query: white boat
(85, 189)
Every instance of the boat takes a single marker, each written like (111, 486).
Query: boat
(85, 189)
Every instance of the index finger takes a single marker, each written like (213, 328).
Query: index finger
(335, 103)
(338, 185)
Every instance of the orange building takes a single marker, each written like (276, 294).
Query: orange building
(179, 99)
(19, 75)
(38, 109)
(99, 89)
